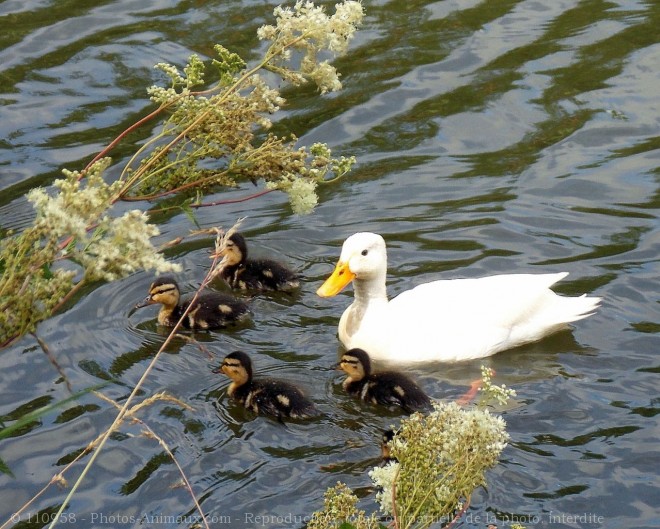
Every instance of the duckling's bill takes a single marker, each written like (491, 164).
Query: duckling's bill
(219, 369)
(146, 301)
(340, 277)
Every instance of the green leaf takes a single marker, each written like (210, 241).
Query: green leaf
(48, 274)
(185, 207)
(5, 469)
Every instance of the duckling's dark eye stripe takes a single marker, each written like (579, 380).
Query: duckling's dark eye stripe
(168, 288)
(229, 364)
(352, 362)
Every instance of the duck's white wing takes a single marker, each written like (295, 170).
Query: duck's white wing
(452, 320)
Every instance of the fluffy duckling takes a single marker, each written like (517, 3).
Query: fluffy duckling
(386, 387)
(385, 448)
(211, 310)
(267, 396)
(257, 274)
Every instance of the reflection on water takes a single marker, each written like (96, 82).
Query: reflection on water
(492, 137)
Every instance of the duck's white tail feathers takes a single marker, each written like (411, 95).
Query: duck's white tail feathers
(553, 313)
(580, 307)
(563, 309)
(556, 316)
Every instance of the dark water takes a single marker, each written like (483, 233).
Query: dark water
(492, 137)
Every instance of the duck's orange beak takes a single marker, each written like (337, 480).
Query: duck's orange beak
(341, 277)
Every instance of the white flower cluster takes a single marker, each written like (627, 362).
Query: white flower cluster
(264, 99)
(301, 191)
(302, 196)
(310, 21)
(74, 208)
(161, 95)
(490, 391)
(194, 71)
(107, 248)
(441, 458)
(454, 428)
(308, 29)
(121, 246)
(383, 478)
(323, 74)
(172, 72)
(269, 98)
(180, 87)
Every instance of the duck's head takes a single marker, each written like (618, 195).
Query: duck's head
(363, 257)
(356, 364)
(164, 291)
(234, 250)
(237, 366)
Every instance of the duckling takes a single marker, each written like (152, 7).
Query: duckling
(210, 310)
(387, 387)
(267, 396)
(385, 448)
(258, 274)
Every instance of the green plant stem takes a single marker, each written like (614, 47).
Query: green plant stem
(170, 165)
(394, 513)
(335, 178)
(147, 144)
(420, 503)
(173, 191)
(143, 169)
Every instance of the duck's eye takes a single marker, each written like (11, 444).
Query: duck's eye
(365, 252)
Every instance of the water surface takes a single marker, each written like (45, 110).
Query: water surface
(492, 137)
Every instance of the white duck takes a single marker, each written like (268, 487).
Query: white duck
(446, 320)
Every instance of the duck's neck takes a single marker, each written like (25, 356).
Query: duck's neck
(368, 295)
(232, 272)
(352, 384)
(368, 292)
(239, 390)
(166, 314)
